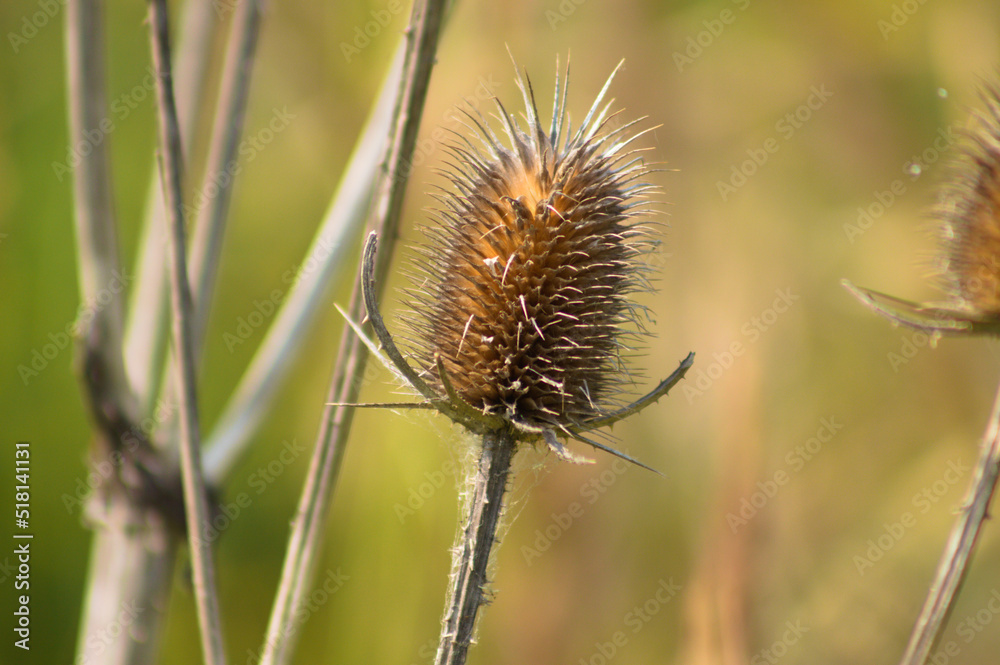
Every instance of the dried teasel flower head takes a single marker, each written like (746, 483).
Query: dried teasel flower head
(525, 280)
(522, 305)
(968, 210)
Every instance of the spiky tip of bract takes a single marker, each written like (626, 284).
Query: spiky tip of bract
(970, 213)
(524, 284)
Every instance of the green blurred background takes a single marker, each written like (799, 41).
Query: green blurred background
(846, 442)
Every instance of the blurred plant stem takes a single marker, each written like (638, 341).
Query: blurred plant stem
(210, 220)
(147, 328)
(957, 553)
(133, 552)
(138, 512)
(330, 246)
(211, 215)
(210, 224)
(195, 496)
(310, 517)
(126, 563)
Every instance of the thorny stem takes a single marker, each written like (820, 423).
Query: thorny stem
(472, 557)
(957, 554)
(195, 498)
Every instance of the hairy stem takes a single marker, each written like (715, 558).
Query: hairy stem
(473, 553)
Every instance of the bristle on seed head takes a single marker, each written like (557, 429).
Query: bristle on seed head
(970, 214)
(525, 281)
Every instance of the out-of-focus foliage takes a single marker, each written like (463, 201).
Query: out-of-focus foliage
(814, 457)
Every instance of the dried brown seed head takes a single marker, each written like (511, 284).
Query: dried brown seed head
(524, 283)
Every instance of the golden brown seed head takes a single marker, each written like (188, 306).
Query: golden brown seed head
(970, 211)
(524, 283)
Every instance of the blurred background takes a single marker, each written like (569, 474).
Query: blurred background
(813, 459)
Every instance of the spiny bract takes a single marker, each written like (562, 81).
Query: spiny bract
(523, 286)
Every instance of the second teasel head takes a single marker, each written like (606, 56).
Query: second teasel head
(523, 286)
(969, 210)
(968, 215)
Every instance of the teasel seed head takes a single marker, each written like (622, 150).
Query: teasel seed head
(522, 311)
(968, 212)
(524, 284)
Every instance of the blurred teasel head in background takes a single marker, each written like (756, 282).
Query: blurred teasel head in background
(969, 210)
(968, 215)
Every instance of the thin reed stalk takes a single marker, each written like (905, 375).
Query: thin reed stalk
(195, 496)
(957, 555)
(310, 517)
